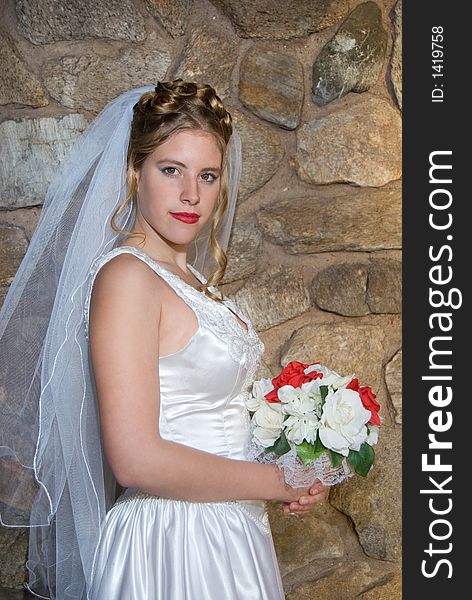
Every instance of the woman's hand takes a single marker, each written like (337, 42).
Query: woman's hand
(317, 493)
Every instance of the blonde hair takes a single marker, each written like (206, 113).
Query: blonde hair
(174, 106)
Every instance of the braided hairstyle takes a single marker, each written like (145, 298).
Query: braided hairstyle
(171, 107)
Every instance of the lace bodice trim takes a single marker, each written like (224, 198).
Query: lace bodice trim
(245, 347)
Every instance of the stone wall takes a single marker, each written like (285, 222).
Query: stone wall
(315, 254)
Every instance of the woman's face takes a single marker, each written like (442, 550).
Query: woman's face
(182, 175)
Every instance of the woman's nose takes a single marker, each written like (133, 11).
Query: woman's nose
(190, 191)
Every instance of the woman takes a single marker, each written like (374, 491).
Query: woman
(147, 389)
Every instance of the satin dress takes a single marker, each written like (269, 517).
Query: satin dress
(154, 548)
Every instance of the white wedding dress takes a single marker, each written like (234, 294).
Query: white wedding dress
(154, 548)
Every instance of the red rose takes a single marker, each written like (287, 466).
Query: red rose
(292, 375)
(367, 398)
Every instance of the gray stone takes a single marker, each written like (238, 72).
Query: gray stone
(3, 293)
(275, 296)
(356, 289)
(172, 14)
(281, 20)
(10, 594)
(13, 246)
(360, 220)
(396, 64)
(49, 21)
(341, 288)
(18, 84)
(263, 371)
(393, 379)
(391, 590)
(303, 540)
(13, 549)
(17, 482)
(384, 290)
(209, 56)
(271, 85)
(344, 347)
(374, 502)
(352, 60)
(343, 582)
(90, 82)
(16, 228)
(30, 154)
(262, 153)
(360, 145)
(61, 77)
(25, 218)
(243, 252)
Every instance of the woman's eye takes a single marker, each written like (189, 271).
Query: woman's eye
(167, 169)
(207, 175)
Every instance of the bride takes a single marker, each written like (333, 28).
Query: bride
(144, 374)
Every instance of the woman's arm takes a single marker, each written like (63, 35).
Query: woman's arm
(124, 344)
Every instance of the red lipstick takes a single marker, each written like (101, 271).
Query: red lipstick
(185, 217)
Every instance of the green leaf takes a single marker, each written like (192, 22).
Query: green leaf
(309, 452)
(362, 460)
(319, 448)
(353, 459)
(336, 458)
(305, 452)
(281, 445)
(323, 392)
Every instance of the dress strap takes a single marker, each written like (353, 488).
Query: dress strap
(184, 290)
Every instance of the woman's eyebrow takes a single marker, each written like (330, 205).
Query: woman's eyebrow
(176, 162)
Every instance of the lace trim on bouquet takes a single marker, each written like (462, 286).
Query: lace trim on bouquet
(296, 474)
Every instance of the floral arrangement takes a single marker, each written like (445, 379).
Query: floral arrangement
(319, 418)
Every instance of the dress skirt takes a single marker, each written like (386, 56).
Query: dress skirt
(155, 548)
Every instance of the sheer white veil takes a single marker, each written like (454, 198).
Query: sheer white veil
(54, 476)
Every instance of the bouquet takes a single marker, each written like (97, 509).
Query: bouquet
(314, 423)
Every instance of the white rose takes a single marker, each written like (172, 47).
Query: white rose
(373, 436)
(295, 401)
(287, 393)
(318, 368)
(336, 381)
(327, 373)
(311, 389)
(299, 429)
(343, 423)
(268, 425)
(266, 437)
(265, 416)
(260, 388)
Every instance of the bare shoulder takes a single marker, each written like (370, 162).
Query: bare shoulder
(126, 272)
(126, 300)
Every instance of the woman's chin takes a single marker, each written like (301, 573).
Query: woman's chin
(186, 234)
(181, 241)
